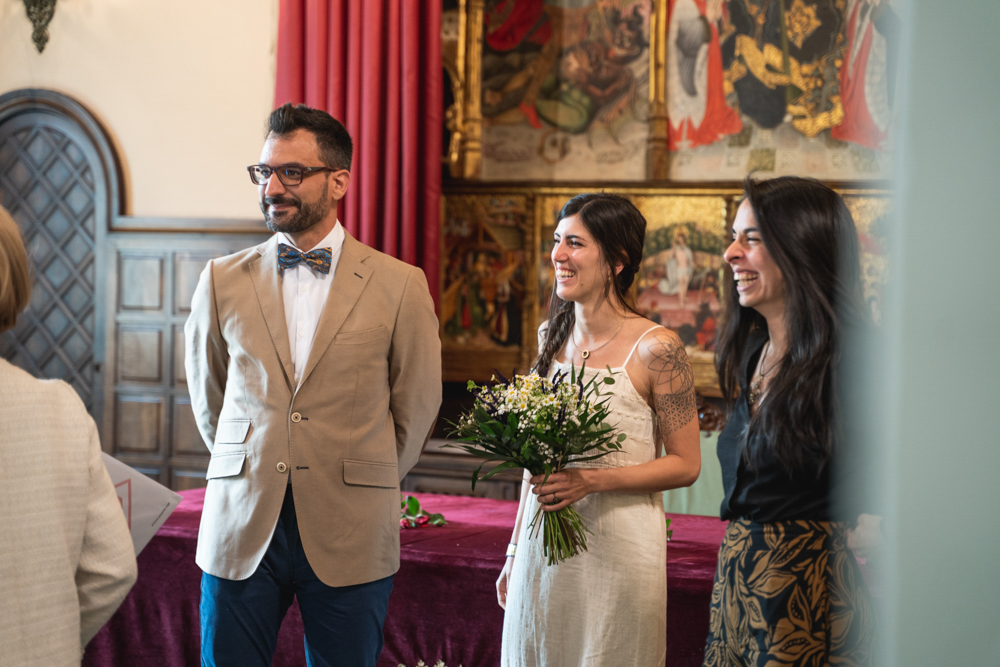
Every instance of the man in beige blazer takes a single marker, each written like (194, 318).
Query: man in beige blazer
(66, 556)
(314, 367)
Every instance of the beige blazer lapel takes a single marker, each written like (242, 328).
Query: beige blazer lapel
(264, 275)
(348, 282)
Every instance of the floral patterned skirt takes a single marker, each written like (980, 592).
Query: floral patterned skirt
(788, 593)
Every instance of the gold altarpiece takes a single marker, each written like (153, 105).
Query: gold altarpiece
(496, 278)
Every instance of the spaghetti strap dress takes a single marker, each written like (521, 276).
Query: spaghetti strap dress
(607, 606)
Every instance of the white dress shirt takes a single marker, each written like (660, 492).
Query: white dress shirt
(304, 291)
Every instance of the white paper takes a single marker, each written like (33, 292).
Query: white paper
(146, 504)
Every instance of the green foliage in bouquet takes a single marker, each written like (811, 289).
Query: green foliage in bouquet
(540, 425)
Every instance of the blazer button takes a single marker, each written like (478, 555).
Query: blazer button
(282, 467)
(296, 417)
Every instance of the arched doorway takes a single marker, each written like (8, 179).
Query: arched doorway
(59, 179)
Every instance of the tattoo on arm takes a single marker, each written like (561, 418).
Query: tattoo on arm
(673, 385)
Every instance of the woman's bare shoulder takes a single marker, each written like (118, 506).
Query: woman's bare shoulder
(659, 345)
(660, 336)
(649, 333)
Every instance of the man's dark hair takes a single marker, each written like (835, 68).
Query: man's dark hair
(335, 146)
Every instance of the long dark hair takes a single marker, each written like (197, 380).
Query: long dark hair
(620, 231)
(810, 234)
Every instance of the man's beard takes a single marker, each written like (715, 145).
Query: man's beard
(307, 215)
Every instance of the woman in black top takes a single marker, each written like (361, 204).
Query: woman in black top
(787, 590)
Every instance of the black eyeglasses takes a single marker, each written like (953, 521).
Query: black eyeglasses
(288, 175)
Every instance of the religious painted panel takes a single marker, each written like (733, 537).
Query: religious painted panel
(781, 87)
(483, 283)
(679, 284)
(565, 89)
(871, 217)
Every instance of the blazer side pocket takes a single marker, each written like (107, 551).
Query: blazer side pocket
(360, 337)
(368, 473)
(228, 464)
(232, 431)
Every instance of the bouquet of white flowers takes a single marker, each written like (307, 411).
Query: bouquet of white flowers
(540, 425)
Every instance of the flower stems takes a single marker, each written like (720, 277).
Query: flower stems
(564, 534)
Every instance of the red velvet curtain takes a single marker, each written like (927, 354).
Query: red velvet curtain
(375, 65)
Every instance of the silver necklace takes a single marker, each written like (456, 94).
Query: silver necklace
(586, 353)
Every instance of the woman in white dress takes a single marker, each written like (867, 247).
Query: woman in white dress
(607, 605)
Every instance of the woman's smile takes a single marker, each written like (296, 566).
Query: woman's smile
(758, 279)
(744, 280)
(577, 261)
(563, 275)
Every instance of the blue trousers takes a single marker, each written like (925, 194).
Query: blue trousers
(240, 619)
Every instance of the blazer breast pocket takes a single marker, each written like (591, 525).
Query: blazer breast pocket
(360, 337)
(229, 452)
(232, 431)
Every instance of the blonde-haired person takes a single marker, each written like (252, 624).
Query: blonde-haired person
(66, 556)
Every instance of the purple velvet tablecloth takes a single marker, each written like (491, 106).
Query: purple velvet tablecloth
(443, 604)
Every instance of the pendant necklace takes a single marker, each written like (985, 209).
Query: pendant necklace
(586, 353)
(755, 387)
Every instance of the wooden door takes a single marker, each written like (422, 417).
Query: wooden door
(55, 182)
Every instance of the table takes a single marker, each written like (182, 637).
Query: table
(443, 604)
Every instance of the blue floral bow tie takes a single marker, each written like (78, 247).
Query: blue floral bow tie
(318, 259)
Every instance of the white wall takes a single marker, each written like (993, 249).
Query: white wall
(187, 83)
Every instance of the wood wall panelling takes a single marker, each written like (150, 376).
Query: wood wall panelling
(187, 270)
(186, 437)
(155, 278)
(180, 374)
(445, 470)
(145, 466)
(141, 285)
(184, 479)
(140, 354)
(441, 482)
(139, 423)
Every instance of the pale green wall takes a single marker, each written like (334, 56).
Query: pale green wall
(942, 376)
(705, 495)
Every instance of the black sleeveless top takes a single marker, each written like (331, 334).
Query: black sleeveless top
(767, 491)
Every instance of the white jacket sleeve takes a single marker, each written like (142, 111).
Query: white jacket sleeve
(107, 567)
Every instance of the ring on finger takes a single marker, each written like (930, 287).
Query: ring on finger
(555, 499)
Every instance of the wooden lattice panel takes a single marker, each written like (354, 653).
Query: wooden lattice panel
(47, 184)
